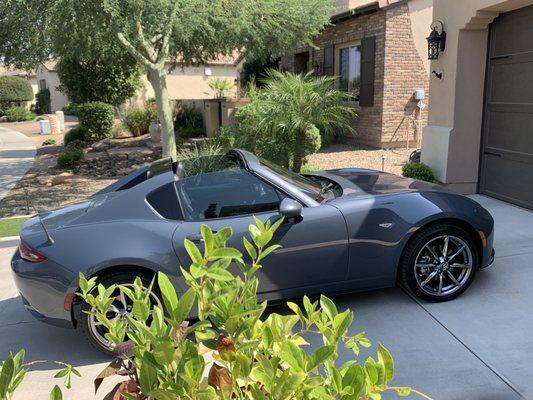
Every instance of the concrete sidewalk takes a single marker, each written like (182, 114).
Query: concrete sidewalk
(477, 347)
(16, 158)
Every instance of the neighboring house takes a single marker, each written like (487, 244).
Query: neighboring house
(188, 83)
(191, 83)
(480, 132)
(47, 77)
(29, 75)
(378, 51)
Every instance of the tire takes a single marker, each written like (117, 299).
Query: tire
(430, 274)
(92, 333)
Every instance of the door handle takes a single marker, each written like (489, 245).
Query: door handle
(195, 238)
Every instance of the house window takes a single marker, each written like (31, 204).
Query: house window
(349, 68)
(42, 84)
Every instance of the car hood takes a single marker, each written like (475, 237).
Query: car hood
(360, 182)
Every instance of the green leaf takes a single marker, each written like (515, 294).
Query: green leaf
(294, 356)
(220, 274)
(225, 252)
(267, 251)
(193, 251)
(147, 378)
(319, 357)
(168, 292)
(329, 307)
(371, 371)
(141, 310)
(385, 358)
(56, 394)
(403, 391)
(164, 352)
(250, 248)
(209, 241)
(185, 305)
(6, 375)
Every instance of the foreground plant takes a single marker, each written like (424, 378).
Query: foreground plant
(233, 351)
(13, 370)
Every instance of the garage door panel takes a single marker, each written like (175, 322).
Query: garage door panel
(516, 25)
(512, 82)
(512, 131)
(509, 180)
(507, 147)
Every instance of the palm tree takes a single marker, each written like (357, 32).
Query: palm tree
(291, 112)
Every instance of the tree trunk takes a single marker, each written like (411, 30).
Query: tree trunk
(299, 151)
(158, 80)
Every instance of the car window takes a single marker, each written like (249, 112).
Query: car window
(165, 202)
(217, 187)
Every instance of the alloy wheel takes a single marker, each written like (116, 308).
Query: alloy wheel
(443, 265)
(121, 308)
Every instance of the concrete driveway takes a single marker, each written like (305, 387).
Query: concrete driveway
(478, 347)
(16, 158)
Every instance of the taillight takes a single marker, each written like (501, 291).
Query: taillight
(30, 255)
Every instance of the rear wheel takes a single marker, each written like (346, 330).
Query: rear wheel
(439, 263)
(93, 330)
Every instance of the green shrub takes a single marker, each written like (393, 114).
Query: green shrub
(97, 118)
(118, 130)
(188, 117)
(77, 133)
(225, 137)
(70, 157)
(137, 120)
(70, 109)
(191, 132)
(49, 142)
(260, 355)
(14, 90)
(418, 171)
(43, 104)
(16, 114)
(287, 118)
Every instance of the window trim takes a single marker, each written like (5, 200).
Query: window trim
(337, 65)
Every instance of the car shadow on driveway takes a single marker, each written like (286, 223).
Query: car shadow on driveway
(19, 330)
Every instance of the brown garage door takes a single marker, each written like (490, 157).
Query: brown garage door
(507, 148)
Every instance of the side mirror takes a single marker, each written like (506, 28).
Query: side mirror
(290, 208)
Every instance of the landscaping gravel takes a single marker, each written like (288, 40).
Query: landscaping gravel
(345, 155)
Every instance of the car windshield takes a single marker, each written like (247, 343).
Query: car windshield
(309, 187)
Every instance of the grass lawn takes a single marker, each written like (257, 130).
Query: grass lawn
(11, 226)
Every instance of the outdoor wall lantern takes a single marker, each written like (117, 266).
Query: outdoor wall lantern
(436, 40)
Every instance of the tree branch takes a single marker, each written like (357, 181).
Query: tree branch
(168, 32)
(145, 44)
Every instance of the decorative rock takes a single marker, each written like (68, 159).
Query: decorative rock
(61, 178)
(102, 145)
(3, 119)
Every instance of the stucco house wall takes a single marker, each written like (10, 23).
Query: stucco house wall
(47, 76)
(452, 139)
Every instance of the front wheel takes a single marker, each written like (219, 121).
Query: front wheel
(93, 330)
(439, 263)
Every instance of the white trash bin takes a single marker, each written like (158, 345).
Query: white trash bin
(45, 127)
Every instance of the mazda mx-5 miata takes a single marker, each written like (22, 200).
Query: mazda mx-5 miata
(344, 230)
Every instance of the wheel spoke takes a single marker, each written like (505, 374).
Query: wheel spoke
(435, 256)
(425, 265)
(461, 266)
(445, 247)
(453, 279)
(123, 299)
(429, 278)
(440, 284)
(456, 253)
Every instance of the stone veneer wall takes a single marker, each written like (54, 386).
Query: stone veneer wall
(404, 72)
(398, 71)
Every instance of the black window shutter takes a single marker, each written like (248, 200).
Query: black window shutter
(368, 65)
(329, 60)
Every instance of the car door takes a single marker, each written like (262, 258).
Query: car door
(314, 249)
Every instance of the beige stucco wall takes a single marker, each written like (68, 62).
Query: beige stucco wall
(192, 82)
(451, 143)
(57, 98)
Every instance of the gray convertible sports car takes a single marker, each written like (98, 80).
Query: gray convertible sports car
(345, 230)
